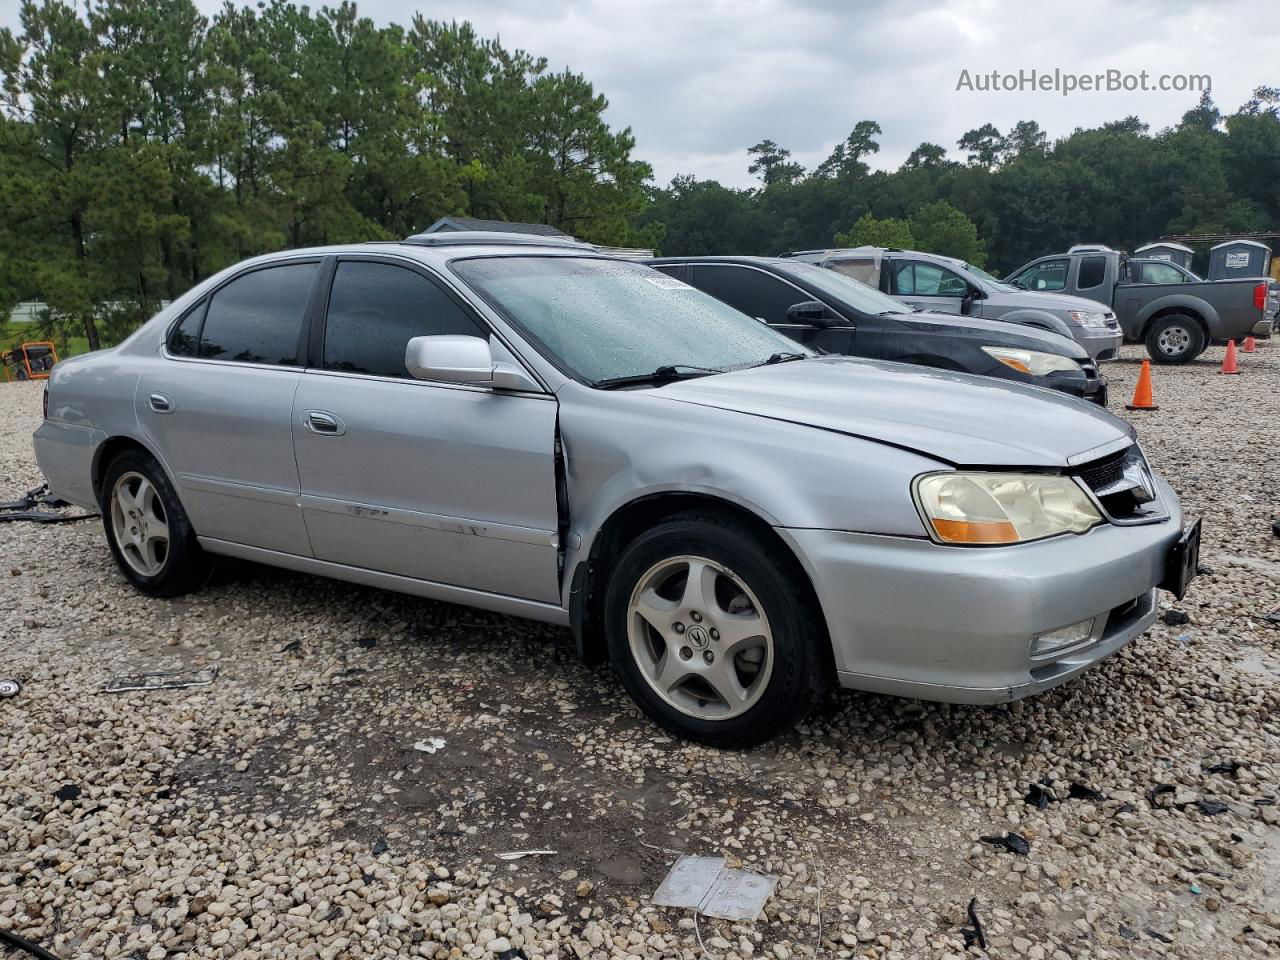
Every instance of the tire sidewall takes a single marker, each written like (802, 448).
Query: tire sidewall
(797, 661)
(184, 562)
(1194, 350)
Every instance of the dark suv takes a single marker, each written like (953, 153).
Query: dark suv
(830, 311)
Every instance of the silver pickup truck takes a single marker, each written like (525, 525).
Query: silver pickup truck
(1176, 319)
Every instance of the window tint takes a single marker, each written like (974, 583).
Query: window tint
(184, 338)
(1158, 273)
(257, 318)
(928, 280)
(1092, 272)
(1046, 275)
(755, 293)
(376, 308)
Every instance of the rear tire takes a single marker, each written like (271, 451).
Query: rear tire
(147, 529)
(714, 632)
(1175, 339)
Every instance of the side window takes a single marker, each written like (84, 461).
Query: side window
(257, 318)
(1093, 270)
(376, 308)
(928, 280)
(1160, 273)
(1045, 275)
(754, 292)
(184, 338)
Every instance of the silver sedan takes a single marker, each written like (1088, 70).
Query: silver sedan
(734, 523)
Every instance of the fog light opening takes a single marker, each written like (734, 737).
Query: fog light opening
(1056, 641)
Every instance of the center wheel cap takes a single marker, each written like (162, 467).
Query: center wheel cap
(698, 637)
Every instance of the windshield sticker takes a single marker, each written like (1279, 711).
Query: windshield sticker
(668, 283)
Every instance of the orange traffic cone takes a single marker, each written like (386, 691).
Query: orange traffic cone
(1229, 361)
(1142, 399)
(1250, 345)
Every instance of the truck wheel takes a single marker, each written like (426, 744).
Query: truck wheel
(1176, 338)
(147, 529)
(708, 626)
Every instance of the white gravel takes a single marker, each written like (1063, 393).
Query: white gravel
(241, 819)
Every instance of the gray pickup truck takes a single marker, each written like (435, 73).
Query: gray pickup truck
(1176, 318)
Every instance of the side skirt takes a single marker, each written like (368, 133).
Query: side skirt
(514, 606)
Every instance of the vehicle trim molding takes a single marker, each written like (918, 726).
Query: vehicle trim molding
(431, 590)
(431, 521)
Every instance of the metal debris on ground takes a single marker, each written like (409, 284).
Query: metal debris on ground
(9, 687)
(162, 680)
(429, 745)
(712, 888)
(22, 508)
(521, 854)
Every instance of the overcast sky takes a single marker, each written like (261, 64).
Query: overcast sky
(699, 82)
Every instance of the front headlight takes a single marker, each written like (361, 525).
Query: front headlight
(1087, 318)
(989, 508)
(1031, 362)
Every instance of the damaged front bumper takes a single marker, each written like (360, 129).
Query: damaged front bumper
(913, 618)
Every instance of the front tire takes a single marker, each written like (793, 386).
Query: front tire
(1175, 339)
(712, 628)
(147, 529)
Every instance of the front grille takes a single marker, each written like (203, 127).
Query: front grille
(1120, 499)
(1104, 473)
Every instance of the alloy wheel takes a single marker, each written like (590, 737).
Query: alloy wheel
(140, 524)
(700, 637)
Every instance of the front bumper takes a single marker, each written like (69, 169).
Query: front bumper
(1101, 343)
(914, 618)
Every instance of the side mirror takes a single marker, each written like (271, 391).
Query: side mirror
(811, 313)
(460, 359)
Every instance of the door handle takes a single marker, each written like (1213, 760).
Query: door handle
(324, 423)
(160, 403)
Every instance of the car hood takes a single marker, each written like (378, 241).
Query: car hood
(997, 332)
(954, 417)
(1049, 301)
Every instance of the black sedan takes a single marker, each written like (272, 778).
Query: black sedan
(829, 311)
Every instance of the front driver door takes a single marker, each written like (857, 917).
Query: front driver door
(448, 483)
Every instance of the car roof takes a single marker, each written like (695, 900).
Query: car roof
(719, 258)
(438, 248)
(833, 252)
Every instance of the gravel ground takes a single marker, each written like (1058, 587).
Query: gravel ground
(283, 812)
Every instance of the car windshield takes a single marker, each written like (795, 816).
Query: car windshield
(992, 281)
(604, 319)
(855, 293)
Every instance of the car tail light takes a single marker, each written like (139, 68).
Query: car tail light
(1260, 296)
(46, 400)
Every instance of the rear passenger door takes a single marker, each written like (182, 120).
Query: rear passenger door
(216, 405)
(767, 297)
(444, 482)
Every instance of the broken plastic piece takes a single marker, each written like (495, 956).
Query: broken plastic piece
(379, 846)
(68, 791)
(709, 886)
(974, 932)
(1079, 791)
(521, 854)
(1039, 795)
(429, 745)
(162, 680)
(1158, 935)
(1211, 808)
(9, 687)
(1229, 767)
(1013, 842)
(1159, 790)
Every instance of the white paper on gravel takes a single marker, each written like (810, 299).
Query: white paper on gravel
(714, 889)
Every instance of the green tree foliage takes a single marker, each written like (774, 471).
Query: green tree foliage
(872, 232)
(144, 147)
(1016, 197)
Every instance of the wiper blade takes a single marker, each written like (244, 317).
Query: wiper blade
(663, 374)
(783, 357)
